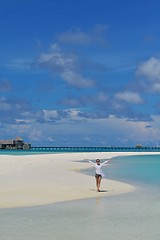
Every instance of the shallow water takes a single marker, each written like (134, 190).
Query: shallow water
(130, 216)
(127, 217)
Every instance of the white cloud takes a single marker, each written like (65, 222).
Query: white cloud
(114, 131)
(103, 131)
(155, 87)
(64, 64)
(102, 97)
(75, 36)
(18, 64)
(4, 104)
(61, 115)
(50, 139)
(35, 134)
(131, 97)
(50, 114)
(22, 120)
(76, 79)
(96, 35)
(150, 69)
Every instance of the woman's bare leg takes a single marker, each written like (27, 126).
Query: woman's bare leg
(98, 183)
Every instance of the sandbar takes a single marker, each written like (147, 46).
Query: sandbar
(35, 180)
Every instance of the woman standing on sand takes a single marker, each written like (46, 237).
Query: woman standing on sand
(98, 174)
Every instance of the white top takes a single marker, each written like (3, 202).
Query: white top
(98, 167)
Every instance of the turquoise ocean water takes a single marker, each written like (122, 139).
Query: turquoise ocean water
(129, 216)
(136, 169)
(48, 150)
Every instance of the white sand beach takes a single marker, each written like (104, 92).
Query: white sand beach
(34, 180)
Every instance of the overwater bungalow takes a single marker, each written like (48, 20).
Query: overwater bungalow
(14, 144)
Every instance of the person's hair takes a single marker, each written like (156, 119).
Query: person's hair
(97, 160)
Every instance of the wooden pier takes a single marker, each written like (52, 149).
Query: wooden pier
(70, 149)
(96, 149)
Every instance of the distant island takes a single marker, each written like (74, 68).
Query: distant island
(14, 144)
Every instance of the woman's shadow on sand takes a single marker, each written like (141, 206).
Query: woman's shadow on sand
(103, 190)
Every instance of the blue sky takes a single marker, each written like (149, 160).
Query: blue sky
(80, 73)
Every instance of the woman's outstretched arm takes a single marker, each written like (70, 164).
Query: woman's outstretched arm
(107, 161)
(91, 162)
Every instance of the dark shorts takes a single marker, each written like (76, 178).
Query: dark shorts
(98, 175)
